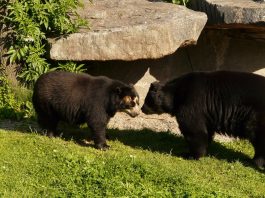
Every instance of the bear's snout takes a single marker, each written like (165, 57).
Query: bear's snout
(133, 112)
(145, 109)
(131, 106)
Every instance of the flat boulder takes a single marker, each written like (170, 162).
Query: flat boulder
(129, 30)
(247, 12)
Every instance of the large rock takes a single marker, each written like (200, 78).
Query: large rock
(231, 11)
(158, 123)
(129, 30)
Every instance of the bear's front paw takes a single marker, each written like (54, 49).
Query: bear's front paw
(103, 147)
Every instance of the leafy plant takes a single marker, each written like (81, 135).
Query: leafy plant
(10, 106)
(30, 23)
(180, 2)
(71, 67)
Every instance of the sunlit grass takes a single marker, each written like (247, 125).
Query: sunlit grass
(139, 164)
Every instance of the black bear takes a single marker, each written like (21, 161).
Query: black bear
(208, 102)
(81, 98)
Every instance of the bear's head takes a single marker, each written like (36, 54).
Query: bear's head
(153, 100)
(126, 99)
(158, 99)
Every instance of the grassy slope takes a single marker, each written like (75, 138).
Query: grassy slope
(139, 164)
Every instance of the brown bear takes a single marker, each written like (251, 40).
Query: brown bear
(208, 102)
(82, 98)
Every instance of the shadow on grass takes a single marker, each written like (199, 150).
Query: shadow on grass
(168, 143)
(67, 132)
(161, 142)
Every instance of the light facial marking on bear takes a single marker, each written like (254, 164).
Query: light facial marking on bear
(127, 100)
(133, 105)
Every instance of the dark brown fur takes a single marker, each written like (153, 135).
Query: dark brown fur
(81, 98)
(206, 102)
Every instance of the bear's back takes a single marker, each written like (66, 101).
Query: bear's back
(65, 83)
(70, 96)
(227, 85)
(223, 99)
(238, 87)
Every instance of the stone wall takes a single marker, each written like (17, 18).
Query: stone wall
(127, 38)
(217, 49)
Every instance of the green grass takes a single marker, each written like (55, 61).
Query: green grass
(139, 164)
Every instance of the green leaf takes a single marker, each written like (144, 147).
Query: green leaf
(32, 21)
(13, 58)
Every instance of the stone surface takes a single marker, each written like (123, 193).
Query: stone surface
(231, 11)
(240, 48)
(228, 49)
(216, 49)
(129, 30)
(156, 123)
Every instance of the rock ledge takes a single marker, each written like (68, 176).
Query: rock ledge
(129, 30)
(231, 11)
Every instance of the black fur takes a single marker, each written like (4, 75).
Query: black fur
(79, 98)
(208, 102)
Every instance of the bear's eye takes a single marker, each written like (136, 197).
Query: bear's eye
(133, 104)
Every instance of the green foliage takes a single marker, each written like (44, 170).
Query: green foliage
(139, 164)
(30, 23)
(10, 106)
(179, 2)
(71, 67)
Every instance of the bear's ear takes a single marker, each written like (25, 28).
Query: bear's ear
(154, 86)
